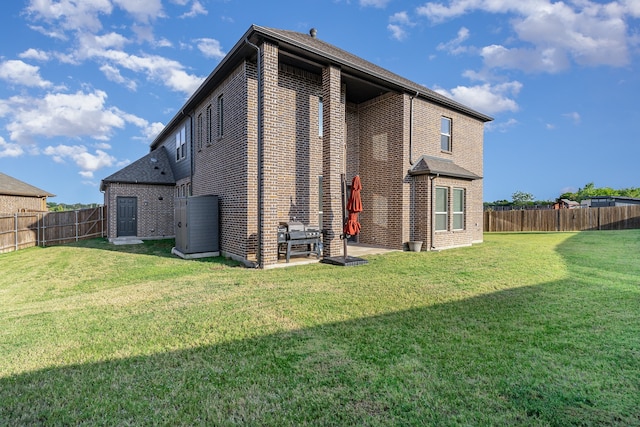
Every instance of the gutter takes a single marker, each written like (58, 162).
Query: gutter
(433, 210)
(260, 155)
(411, 128)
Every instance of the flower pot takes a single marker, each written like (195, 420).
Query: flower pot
(415, 246)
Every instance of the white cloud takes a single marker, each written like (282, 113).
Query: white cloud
(10, 149)
(454, 46)
(196, 9)
(168, 72)
(210, 48)
(551, 35)
(70, 15)
(31, 53)
(86, 161)
(486, 98)
(64, 115)
(142, 10)
(153, 130)
(573, 116)
(398, 22)
(375, 3)
(18, 72)
(498, 126)
(397, 32)
(549, 60)
(113, 74)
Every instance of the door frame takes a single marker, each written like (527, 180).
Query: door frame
(119, 229)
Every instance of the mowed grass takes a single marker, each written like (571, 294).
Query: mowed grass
(525, 329)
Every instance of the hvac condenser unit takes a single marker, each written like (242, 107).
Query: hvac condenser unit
(197, 225)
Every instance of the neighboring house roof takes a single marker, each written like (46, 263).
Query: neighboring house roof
(14, 187)
(154, 168)
(313, 53)
(570, 202)
(621, 198)
(428, 165)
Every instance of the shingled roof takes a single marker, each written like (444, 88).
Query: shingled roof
(154, 168)
(14, 187)
(428, 165)
(312, 50)
(350, 61)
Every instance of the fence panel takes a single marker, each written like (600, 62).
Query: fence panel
(608, 218)
(23, 230)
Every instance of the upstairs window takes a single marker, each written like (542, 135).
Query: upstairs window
(445, 134)
(181, 143)
(220, 116)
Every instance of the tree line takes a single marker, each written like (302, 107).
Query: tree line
(521, 198)
(61, 207)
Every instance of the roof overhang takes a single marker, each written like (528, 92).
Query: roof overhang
(312, 54)
(428, 165)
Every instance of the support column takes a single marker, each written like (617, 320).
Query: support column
(270, 153)
(333, 139)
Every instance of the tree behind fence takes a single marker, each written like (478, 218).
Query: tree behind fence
(609, 218)
(27, 229)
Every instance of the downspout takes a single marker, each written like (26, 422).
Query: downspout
(191, 155)
(433, 209)
(260, 155)
(411, 127)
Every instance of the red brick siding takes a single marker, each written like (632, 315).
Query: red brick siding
(154, 217)
(221, 167)
(333, 158)
(15, 204)
(381, 134)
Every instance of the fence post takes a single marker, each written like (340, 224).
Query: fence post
(44, 230)
(76, 225)
(15, 226)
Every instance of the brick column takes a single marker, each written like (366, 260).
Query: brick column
(271, 155)
(333, 139)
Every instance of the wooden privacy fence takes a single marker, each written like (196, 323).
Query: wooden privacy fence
(609, 218)
(26, 229)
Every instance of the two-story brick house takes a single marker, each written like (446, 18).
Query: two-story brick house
(276, 124)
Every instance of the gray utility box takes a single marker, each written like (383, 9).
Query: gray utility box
(197, 225)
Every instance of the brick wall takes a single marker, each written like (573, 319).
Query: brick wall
(14, 204)
(467, 152)
(220, 162)
(155, 209)
(381, 134)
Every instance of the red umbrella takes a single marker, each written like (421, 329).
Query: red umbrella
(354, 206)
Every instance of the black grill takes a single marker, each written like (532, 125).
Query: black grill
(295, 238)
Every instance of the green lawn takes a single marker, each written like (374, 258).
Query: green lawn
(525, 329)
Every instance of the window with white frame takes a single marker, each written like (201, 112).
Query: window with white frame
(445, 134)
(183, 142)
(458, 208)
(220, 116)
(178, 146)
(442, 209)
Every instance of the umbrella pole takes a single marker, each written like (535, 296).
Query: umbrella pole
(343, 183)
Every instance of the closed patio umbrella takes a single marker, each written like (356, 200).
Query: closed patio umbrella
(354, 206)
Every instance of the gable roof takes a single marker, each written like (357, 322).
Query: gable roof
(154, 168)
(316, 54)
(14, 187)
(428, 165)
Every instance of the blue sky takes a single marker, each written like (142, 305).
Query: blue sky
(86, 84)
